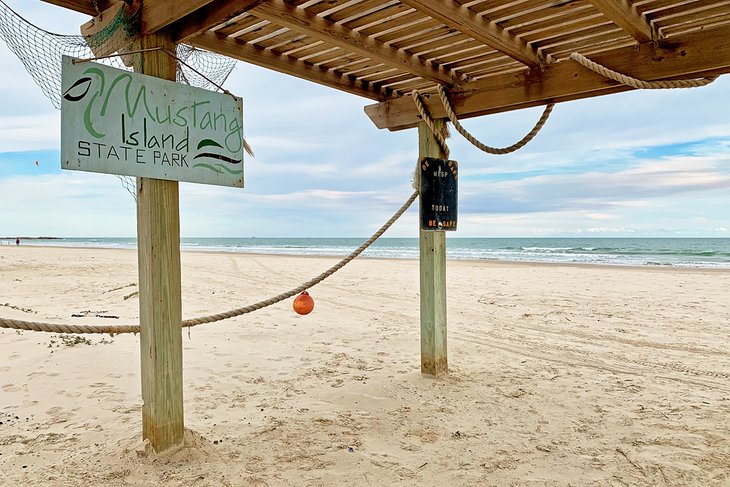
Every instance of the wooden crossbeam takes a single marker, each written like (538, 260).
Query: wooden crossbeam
(284, 64)
(82, 6)
(466, 21)
(625, 15)
(300, 20)
(161, 13)
(215, 13)
(702, 53)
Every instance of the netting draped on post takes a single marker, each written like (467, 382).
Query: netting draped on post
(40, 51)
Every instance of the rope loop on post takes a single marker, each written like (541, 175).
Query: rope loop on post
(637, 83)
(441, 136)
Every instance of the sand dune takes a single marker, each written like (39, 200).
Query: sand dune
(560, 375)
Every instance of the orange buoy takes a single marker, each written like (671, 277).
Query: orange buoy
(303, 304)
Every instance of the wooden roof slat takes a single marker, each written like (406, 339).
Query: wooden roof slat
(284, 64)
(457, 50)
(598, 41)
(275, 35)
(492, 55)
(595, 34)
(625, 15)
(211, 15)
(466, 21)
(157, 15)
(698, 54)
(249, 27)
(707, 9)
(510, 14)
(302, 21)
(302, 48)
(402, 33)
(406, 19)
(82, 6)
(420, 44)
(323, 7)
(378, 20)
(694, 25)
(243, 25)
(362, 9)
(554, 15)
(578, 22)
(260, 32)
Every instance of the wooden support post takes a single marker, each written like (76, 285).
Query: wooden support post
(160, 304)
(432, 245)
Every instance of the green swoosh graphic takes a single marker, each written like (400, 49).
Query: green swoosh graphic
(218, 168)
(208, 166)
(87, 119)
(229, 170)
(208, 142)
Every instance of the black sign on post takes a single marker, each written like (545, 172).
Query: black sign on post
(439, 193)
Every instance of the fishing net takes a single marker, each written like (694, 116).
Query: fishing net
(40, 52)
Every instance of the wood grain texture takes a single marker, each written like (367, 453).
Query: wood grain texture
(432, 250)
(625, 15)
(269, 58)
(317, 27)
(695, 55)
(211, 15)
(161, 13)
(481, 29)
(160, 304)
(82, 6)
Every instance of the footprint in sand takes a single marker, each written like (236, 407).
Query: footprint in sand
(10, 388)
(58, 415)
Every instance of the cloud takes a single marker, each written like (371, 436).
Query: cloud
(636, 163)
(20, 133)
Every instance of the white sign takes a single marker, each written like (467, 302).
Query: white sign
(118, 122)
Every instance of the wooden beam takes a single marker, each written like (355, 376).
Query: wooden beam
(215, 13)
(699, 54)
(284, 64)
(119, 38)
(157, 14)
(624, 14)
(82, 6)
(160, 305)
(432, 251)
(299, 20)
(466, 21)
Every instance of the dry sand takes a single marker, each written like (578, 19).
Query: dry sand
(560, 375)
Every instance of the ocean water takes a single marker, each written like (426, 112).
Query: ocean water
(678, 252)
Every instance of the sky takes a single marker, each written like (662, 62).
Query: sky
(652, 163)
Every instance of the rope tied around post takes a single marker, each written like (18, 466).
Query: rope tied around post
(441, 136)
(118, 329)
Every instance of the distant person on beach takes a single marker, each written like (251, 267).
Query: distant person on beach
(17, 241)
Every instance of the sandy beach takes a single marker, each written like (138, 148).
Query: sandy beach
(559, 375)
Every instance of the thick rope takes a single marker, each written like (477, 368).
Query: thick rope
(493, 150)
(440, 135)
(117, 329)
(637, 83)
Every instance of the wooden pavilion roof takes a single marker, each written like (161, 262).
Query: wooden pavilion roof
(491, 55)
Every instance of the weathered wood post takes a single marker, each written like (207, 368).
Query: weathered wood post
(432, 247)
(160, 304)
